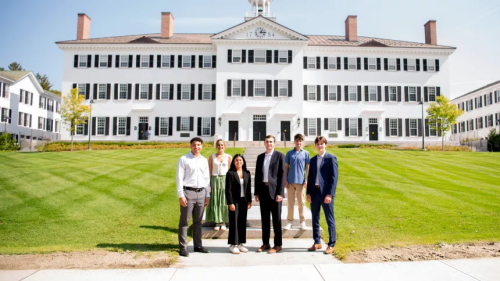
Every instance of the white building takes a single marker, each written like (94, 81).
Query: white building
(254, 79)
(27, 111)
(481, 112)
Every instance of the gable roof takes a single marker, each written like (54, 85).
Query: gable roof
(329, 40)
(477, 90)
(14, 75)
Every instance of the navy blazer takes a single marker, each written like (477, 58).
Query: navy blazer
(233, 187)
(328, 175)
(276, 176)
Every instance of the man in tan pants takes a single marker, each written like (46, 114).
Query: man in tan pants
(297, 168)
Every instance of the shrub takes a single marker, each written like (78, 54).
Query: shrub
(7, 143)
(493, 138)
(100, 145)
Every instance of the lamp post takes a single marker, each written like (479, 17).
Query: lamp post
(90, 122)
(422, 126)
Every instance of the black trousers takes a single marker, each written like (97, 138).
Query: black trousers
(238, 223)
(268, 207)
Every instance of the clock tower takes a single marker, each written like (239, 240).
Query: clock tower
(260, 8)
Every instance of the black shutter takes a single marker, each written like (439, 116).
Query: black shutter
(250, 56)
(318, 62)
(243, 56)
(106, 127)
(379, 64)
(85, 128)
(346, 63)
(339, 124)
(346, 93)
(366, 63)
(75, 63)
(96, 61)
(318, 93)
(438, 92)
(110, 61)
(339, 93)
(179, 89)
(290, 88)
(87, 91)
(426, 95)
(269, 56)
(326, 124)
(136, 91)
(407, 127)
(426, 127)
(95, 92)
(128, 126)
(398, 64)
(200, 61)
(74, 87)
(425, 64)
(129, 92)
(400, 127)
(366, 94)
(116, 92)
(405, 64)
(305, 62)
(193, 90)
(200, 91)
(379, 93)
(339, 65)
(359, 63)
(179, 61)
(191, 124)
(178, 124)
(305, 92)
(359, 93)
(171, 97)
(325, 62)
(212, 127)
(115, 125)
(108, 91)
(214, 61)
(170, 125)
(137, 61)
(93, 125)
(130, 61)
(31, 99)
(406, 94)
(229, 56)
(275, 88)
(214, 91)
(89, 61)
(193, 61)
(386, 64)
(250, 88)
(360, 127)
(158, 91)
(387, 130)
(276, 55)
(157, 126)
(347, 127)
(399, 93)
(158, 61)
(269, 90)
(437, 65)
(290, 56)
(243, 87)
(172, 62)
(305, 127)
(318, 126)
(229, 87)
(419, 94)
(418, 64)
(419, 127)
(325, 90)
(199, 127)
(150, 92)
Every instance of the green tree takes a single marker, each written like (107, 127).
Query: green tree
(56, 92)
(44, 81)
(74, 112)
(15, 67)
(444, 115)
(2, 69)
(7, 143)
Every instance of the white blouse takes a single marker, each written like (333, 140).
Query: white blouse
(242, 183)
(220, 168)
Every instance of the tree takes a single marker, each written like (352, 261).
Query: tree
(44, 81)
(15, 67)
(444, 115)
(74, 112)
(2, 69)
(56, 92)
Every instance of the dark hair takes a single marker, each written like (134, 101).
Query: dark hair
(233, 166)
(217, 142)
(270, 136)
(196, 139)
(320, 139)
(298, 137)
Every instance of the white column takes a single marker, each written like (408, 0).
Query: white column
(269, 10)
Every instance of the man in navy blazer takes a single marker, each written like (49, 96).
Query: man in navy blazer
(321, 186)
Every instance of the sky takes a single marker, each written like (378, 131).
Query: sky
(30, 28)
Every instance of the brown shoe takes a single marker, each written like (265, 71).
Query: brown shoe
(329, 250)
(263, 248)
(275, 250)
(315, 247)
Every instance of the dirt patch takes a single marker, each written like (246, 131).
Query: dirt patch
(97, 259)
(420, 253)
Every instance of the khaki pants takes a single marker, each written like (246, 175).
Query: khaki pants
(295, 190)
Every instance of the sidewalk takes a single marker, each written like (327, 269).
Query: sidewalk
(453, 270)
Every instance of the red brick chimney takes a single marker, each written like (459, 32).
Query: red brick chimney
(167, 25)
(351, 28)
(430, 33)
(83, 29)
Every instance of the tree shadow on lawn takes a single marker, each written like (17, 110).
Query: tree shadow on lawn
(140, 247)
(165, 228)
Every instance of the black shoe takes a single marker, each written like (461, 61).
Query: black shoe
(201, 250)
(184, 253)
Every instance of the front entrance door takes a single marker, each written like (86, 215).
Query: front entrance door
(143, 127)
(233, 131)
(259, 127)
(285, 130)
(373, 132)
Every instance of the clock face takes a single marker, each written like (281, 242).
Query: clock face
(260, 32)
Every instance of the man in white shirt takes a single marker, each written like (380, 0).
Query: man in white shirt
(193, 182)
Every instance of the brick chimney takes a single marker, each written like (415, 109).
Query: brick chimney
(167, 25)
(430, 33)
(351, 28)
(83, 29)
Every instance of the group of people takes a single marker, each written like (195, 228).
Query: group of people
(223, 185)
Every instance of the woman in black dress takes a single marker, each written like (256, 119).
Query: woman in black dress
(239, 200)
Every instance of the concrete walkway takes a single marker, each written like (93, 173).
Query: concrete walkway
(453, 270)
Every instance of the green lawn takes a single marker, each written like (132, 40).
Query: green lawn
(126, 200)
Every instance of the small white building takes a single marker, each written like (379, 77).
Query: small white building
(481, 113)
(254, 79)
(26, 110)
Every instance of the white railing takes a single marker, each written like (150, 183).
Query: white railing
(256, 14)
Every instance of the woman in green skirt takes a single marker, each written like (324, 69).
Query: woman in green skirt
(217, 210)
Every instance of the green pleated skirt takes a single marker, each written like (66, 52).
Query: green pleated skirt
(217, 209)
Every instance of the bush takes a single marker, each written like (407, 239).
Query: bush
(493, 139)
(100, 145)
(7, 143)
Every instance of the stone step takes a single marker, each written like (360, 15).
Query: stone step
(256, 233)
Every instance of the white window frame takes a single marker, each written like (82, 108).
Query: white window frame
(103, 59)
(332, 63)
(143, 91)
(165, 92)
(57, 127)
(185, 122)
(20, 122)
(332, 92)
(411, 64)
(412, 93)
(283, 56)
(40, 123)
(372, 93)
(393, 127)
(372, 64)
(431, 65)
(143, 119)
(282, 88)
(487, 99)
(144, 61)
(413, 124)
(165, 61)
(351, 93)
(83, 61)
(392, 65)
(434, 132)
(207, 61)
(352, 63)
(121, 125)
(124, 61)
(186, 61)
(237, 56)
(332, 125)
(353, 127)
(311, 92)
(185, 92)
(311, 63)
(260, 56)
(206, 126)
(236, 85)
(206, 93)
(393, 94)
(121, 90)
(312, 127)
(434, 95)
(100, 126)
(100, 91)
(262, 87)
(80, 129)
(498, 95)
(164, 126)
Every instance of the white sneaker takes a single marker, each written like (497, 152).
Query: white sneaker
(303, 226)
(287, 226)
(242, 249)
(223, 227)
(216, 227)
(234, 250)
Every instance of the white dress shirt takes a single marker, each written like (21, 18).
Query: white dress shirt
(320, 160)
(192, 172)
(267, 161)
